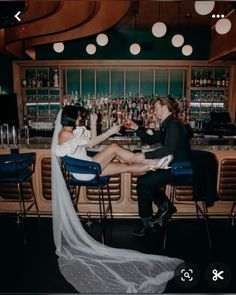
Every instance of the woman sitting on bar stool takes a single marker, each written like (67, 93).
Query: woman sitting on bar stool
(74, 140)
(90, 266)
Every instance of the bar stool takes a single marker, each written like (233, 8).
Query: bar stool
(181, 192)
(227, 184)
(72, 165)
(17, 169)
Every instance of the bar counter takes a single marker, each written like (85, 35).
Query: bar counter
(123, 193)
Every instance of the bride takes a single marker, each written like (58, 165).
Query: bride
(88, 265)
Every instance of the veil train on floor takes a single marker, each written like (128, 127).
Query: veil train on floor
(90, 266)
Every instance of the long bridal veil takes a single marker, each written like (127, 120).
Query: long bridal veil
(90, 266)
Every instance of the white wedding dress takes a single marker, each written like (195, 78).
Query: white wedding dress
(90, 266)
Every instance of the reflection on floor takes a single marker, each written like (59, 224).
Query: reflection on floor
(33, 268)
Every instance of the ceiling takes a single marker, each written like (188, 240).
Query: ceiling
(44, 22)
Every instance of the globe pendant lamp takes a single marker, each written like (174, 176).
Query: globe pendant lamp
(223, 26)
(187, 50)
(159, 29)
(102, 39)
(204, 7)
(177, 40)
(135, 48)
(58, 47)
(91, 49)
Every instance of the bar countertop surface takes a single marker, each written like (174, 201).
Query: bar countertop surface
(132, 143)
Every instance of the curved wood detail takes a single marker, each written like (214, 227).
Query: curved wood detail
(57, 22)
(108, 15)
(95, 17)
(38, 9)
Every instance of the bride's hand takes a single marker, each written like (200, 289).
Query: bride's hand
(93, 118)
(115, 129)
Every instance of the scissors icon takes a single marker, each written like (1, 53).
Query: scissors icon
(217, 275)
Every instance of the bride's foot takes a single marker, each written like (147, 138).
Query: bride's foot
(163, 163)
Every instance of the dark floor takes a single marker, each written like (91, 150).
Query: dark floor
(32, 268)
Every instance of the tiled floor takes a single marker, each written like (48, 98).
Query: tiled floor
(32, 268)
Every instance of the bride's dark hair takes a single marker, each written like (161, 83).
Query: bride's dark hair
(69, 115)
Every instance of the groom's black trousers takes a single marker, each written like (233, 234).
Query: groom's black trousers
(151, 188)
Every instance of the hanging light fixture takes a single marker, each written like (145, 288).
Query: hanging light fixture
(58, 47)
(223, 26)
(177, 40)
(91, 49)
(102, 39)
(135, 48)
(159, 29)
(187, 50)
(204, 7)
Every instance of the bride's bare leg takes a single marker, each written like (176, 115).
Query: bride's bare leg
(118, 168)
(112, 151)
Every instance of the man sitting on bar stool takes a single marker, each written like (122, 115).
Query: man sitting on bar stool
(174, 138)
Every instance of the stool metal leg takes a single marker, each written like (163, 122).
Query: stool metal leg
(22, 209)
(109, 200)
(231, 218)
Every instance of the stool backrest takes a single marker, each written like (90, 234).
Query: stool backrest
(73, 165)
(13, 165)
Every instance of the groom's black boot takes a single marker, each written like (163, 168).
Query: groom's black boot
(165, 211)
(146, 228)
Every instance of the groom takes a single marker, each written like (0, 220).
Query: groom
(174, 140)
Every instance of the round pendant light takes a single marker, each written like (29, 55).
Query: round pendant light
(58, 47)
(91, 49)
(102, 39)
(159, 29)
(223, 26)
(177, 40)
(135, 48)
(204, 7)
(187, 50)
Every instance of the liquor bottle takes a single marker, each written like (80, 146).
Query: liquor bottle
(205, 80)
(218, 82)
(227, 80)
(223, 81)
(23, 82)
(201, 79)
(209, 80)
(55, 78)
(197, 82)
(192, 80)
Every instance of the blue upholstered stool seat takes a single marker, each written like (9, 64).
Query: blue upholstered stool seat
(71, 165)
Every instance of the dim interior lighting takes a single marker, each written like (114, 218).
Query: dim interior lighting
(58, 47)
(187, 50)
(159, 29)
(223, 26)
(91, 49)
(177, 40)
(102, 39)
(135, 48)
(204, 7)
(218, 16)
(213, 16)
(222, 15)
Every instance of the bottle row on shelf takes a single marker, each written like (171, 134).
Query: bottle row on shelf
(42, 98)
(209, 79)
(42, 110)
(207, 96)
(40, 79)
